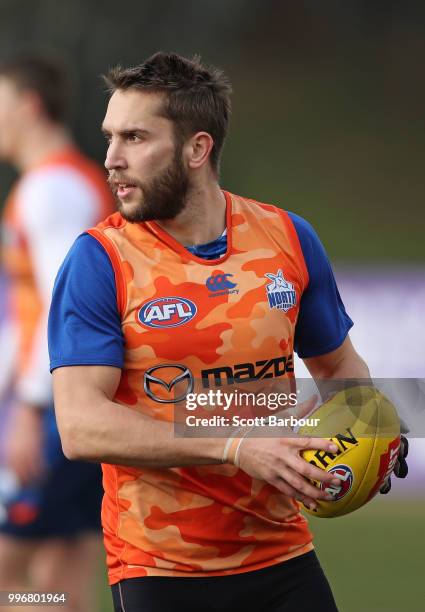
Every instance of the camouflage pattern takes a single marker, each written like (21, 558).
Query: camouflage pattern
(208, 520)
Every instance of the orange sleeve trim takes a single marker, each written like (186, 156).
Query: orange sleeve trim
(293, 236)
(116, 265)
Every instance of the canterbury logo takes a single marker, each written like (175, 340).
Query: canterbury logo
(219, 282)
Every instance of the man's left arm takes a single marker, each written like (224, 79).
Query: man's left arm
(343, 362)
(321, 335)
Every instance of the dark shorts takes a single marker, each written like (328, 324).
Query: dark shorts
(65, 503)
(297, 585)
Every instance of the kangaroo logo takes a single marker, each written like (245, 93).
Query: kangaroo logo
(280, 292)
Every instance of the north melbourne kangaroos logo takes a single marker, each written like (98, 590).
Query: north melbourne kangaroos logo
(280, 293)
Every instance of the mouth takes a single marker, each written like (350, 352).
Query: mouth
(124, 190)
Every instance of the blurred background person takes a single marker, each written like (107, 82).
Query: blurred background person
(49, 527)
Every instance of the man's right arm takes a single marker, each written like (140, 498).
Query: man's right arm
(95, 428)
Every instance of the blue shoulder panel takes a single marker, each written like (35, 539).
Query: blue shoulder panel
(84, 323)
(322, 324)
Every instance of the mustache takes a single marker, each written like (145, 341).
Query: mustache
(115, 178)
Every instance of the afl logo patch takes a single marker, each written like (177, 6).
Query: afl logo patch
(167, 312)
(346, 476)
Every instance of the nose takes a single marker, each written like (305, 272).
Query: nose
(115, 158)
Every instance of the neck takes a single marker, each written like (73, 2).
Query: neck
(203, 219)
(40, 142)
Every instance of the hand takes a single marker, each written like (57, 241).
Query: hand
(278, 461)
(401, 468)
(24, 449)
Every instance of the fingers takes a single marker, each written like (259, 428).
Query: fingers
(401, 468)
(386, 487)
(404, 447)
(311, 472)
(313, 444)
(280, 464)
(286, 489)
(303, 488)
(300, 472)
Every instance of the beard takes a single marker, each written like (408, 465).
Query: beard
(162, 198)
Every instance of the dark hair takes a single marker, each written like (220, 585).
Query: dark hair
(46, 77)
(197, 96)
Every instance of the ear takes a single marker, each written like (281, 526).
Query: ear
(197, 149)
(32, 103)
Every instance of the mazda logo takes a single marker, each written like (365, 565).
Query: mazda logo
(151, 378)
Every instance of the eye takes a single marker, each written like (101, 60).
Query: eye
(134, 137)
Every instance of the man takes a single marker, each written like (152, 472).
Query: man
(137, 311)
(49, 537)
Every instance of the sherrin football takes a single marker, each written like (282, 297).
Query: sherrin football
(365, 426)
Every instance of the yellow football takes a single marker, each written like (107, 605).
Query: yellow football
(365, 426)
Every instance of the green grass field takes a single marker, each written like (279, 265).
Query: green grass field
(373, 558)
